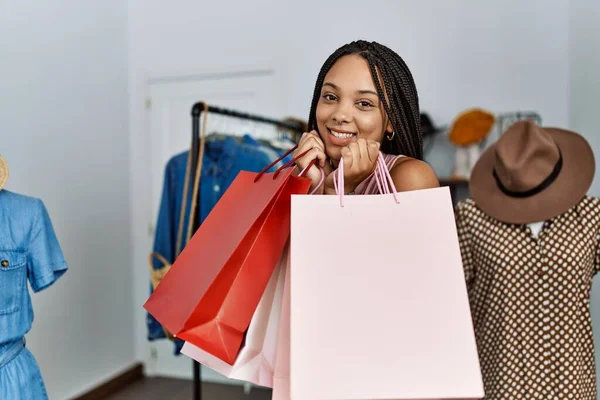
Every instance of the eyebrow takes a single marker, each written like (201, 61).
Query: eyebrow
(336, 87)
(368, 92)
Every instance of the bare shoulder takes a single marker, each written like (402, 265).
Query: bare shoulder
(412, 174)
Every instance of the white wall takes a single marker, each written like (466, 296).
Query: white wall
(504, 55)
(64, 113)
(63, 129)
(584, 93)
(496, 54)
(462, 53)
(584, 58)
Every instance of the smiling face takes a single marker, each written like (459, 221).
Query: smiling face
(349, 106)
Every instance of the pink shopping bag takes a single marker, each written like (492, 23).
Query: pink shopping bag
(379, 310)
(255, 362)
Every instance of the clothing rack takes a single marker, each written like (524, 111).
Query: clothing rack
(505, 120)
(197, 109)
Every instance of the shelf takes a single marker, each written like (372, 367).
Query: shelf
(453, 182)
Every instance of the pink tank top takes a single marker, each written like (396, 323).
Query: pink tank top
(369, 185)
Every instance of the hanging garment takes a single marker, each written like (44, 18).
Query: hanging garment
(270, 151)
(29, 251)
(530, 300)
(224, 157)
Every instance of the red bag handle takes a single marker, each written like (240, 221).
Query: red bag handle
(287, 153)
(293, 161)
(288, 164)
(310, 164)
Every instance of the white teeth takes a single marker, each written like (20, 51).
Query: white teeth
(342, 135)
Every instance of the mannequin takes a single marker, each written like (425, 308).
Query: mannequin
(29, 251)
(529, 240)
(536, 227)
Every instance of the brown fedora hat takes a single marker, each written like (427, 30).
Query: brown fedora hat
(532, 173)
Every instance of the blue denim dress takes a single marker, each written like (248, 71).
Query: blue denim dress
(223, 159)
(29, 252)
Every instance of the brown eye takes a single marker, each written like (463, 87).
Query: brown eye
(365, 104)
(329, 97)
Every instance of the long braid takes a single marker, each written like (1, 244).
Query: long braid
(398, 83)
(401, 143)
(397, 119)
(409, 97)
(312, 123)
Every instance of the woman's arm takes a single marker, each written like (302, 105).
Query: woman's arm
(412, 174)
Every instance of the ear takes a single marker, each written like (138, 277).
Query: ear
(389, 128)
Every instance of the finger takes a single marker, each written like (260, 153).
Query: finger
(308, 136)
(364, 152)
(317, 137)
(308, 142)
(347, 158)
(302, 148)
(299, 150)
(317, 144)
(313, 154)
(303, 138)
(355, 149)
(373, 150)
(313, 135)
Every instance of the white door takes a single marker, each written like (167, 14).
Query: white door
(170, 103)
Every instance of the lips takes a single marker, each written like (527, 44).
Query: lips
(341, 137)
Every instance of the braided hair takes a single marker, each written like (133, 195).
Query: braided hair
(403, 107)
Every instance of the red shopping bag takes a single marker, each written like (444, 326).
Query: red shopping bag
(214, 286)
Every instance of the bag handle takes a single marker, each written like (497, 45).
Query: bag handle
(381, 173)
(160, 258)
(287, 164)
(303, 172)
(287, 153)
(156, 276)
(195, 186)
(290, 163)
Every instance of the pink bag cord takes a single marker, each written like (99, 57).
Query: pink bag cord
(381, 173)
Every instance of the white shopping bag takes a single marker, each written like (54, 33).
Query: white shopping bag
(255, 361)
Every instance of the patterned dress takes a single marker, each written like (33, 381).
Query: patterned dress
(530, 301)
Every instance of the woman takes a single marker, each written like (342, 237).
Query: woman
(365, 100)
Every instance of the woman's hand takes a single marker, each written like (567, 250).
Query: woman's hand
(360, 161)
(311, 141)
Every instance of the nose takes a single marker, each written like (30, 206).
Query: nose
(342, 114)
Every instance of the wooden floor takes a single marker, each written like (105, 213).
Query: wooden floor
(176, 389)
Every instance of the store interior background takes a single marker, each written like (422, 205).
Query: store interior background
(74, 122)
